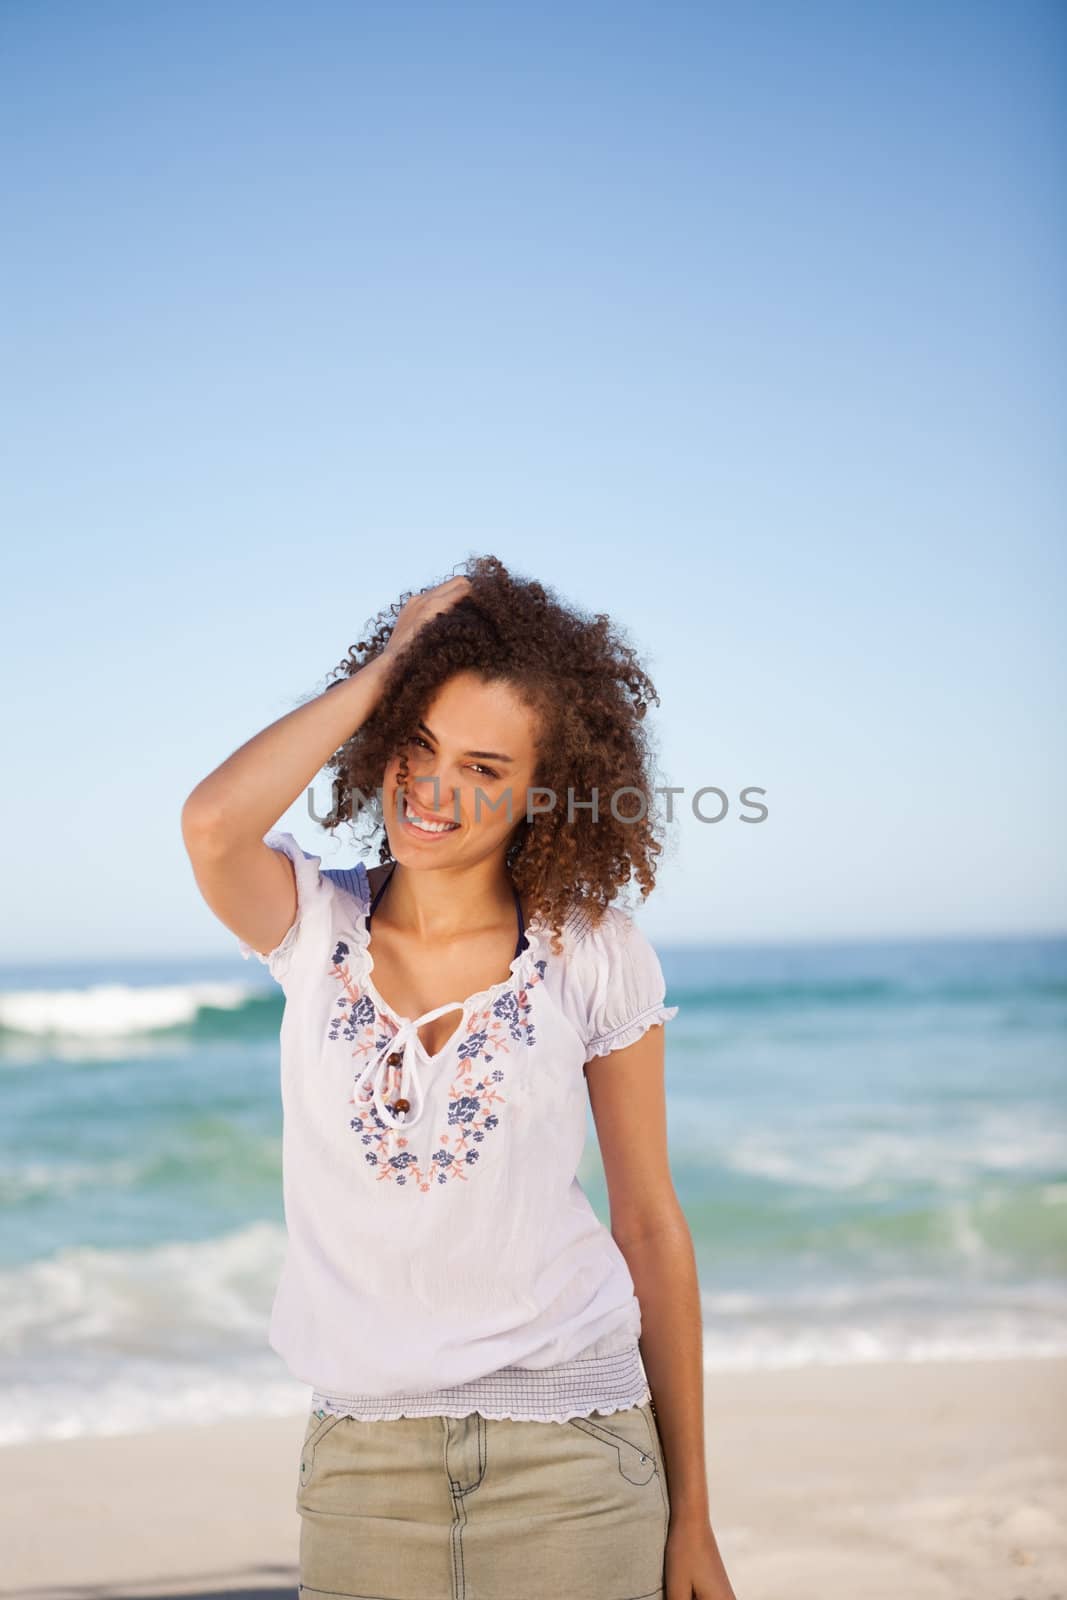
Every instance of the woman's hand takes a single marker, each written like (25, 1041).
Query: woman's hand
(693, 1568)
(417, 612)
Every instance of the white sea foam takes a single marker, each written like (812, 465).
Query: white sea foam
(905, 1318)
(1014, 1139)
(110, 1011)
(102, 1341)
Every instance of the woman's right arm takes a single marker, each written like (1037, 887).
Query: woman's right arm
(250, 887)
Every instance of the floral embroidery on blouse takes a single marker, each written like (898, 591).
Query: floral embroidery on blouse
(474, 1097)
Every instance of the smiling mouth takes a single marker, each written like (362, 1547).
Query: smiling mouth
(428, 827)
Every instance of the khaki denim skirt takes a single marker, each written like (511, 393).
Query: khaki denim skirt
(477, 1508)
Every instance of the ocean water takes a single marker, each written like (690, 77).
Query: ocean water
(869, 1142)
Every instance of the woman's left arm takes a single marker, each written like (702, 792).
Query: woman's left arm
(627, 1094)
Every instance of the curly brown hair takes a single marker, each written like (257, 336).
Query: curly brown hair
(590, 695)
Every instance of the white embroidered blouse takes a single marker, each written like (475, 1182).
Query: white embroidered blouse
(444, 1258)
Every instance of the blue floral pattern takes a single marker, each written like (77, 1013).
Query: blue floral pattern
(486, 1036)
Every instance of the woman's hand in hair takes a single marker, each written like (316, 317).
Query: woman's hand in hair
(418, 611)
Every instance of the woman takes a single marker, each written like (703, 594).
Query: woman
(480, 1347)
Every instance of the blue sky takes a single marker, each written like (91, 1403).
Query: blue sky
(742, 323)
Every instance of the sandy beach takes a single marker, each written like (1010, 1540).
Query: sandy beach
(934, 1481)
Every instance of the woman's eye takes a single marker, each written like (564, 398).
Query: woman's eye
(475, 766)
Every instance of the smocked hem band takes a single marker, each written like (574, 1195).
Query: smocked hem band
(569, 1389)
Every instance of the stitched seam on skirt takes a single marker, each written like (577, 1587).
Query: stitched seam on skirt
(596, 1428)
(458, 1522)
(346, 1594)
(482, 1457)
(656, 1456)
(646, 1594)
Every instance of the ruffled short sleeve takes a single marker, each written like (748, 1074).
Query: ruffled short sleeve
(311, 924)
(624, 986)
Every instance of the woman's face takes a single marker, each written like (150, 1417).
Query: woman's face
(478, 741)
